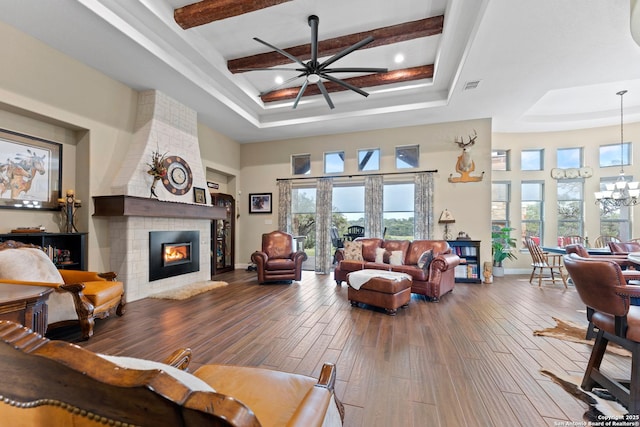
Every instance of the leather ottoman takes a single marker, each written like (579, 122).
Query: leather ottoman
(384, 289)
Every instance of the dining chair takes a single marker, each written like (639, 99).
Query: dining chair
(603, 241)
(541, 260)
(603, 289)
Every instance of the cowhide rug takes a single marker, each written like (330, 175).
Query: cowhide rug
(600, 404)
(570, 331)
(189, 291)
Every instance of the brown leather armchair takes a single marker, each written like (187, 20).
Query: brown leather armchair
(624, 248)
(278, 261)
(604, 290)
(76, 387)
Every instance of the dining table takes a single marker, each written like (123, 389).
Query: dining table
(591, 251)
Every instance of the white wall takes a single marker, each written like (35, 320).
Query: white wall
(263, 163)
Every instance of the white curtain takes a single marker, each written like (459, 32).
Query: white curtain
(324, 203)
(373, 208)
(284, 205)
(423, 206)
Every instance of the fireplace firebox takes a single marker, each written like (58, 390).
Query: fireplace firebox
(172, 253)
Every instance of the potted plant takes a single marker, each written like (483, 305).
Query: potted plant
(502, 244)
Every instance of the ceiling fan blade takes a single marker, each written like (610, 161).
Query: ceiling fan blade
(300, 92)
(345, 52)
(355, 70)
(272, 69)
(280, 51)
(313, 23)
(345, 84)
(281, 84)
(325, 94)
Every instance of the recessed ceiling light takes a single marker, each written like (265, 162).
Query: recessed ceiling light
(399, 58)
(279, 80)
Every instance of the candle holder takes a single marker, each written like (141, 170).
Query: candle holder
(69, 207)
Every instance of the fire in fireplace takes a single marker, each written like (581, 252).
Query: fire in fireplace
(172, 253)
(176, 253)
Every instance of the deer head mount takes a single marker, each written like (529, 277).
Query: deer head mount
(465, 164)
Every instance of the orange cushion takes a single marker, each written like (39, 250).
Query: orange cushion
(272, 395)
(101, 292)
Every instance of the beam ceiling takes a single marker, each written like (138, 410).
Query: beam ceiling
(206, 11)
(382, 36)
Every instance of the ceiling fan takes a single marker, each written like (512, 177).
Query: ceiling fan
(314, 71)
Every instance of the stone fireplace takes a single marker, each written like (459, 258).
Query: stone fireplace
(162, 125)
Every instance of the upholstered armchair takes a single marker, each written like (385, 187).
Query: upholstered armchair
(76, 387)
(278, 261)
(78, 297)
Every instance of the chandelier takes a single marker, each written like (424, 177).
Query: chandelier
(622, 192)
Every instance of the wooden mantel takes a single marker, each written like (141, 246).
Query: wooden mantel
(147, 207)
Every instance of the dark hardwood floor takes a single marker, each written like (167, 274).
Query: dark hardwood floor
(469, 360)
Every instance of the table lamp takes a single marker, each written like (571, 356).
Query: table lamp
(446, 218)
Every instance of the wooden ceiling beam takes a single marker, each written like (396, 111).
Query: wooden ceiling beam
(382, 36)
(206, 11)
(369, 80)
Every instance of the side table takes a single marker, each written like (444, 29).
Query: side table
(26, 305)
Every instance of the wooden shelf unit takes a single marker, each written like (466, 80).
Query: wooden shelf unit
(470, 268)
(54, 244)
(223, 235)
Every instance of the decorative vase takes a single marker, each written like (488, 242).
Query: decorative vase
(498, 271)
(153, 187)
(487, 272)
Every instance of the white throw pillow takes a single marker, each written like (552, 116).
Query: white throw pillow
(395, 258)
(28, 264)
(191, 381)
(380, 255)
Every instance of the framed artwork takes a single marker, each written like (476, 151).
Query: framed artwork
(259, 203)
(199, 196)
(30, 172)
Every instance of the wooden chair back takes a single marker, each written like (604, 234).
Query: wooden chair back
(603, 241)
(538, 257)
(73, 386)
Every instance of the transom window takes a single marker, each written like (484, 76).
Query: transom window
(369, 159)
(334, 162)
(407, 157)
(611, 154)
(531, 160)
(301, 164)
(569, 158)
(500, 160)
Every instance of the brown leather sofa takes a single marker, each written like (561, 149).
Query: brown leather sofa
(78, 297)
(278, 261)
(436, 281)
(55, 383)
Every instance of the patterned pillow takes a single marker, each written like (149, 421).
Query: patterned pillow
(425, 260)
(353, 251)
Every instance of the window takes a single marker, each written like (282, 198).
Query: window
(531, 160)
(369, 160)
(500, 160)
(303, 217)
(301, 164)
(531, 210)
(570, 207)
(500, 198)
(398, 210)
(615, 222)
(569, 158)
(334, 162)
(348, 207)
(611, 154)
(407, 157)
